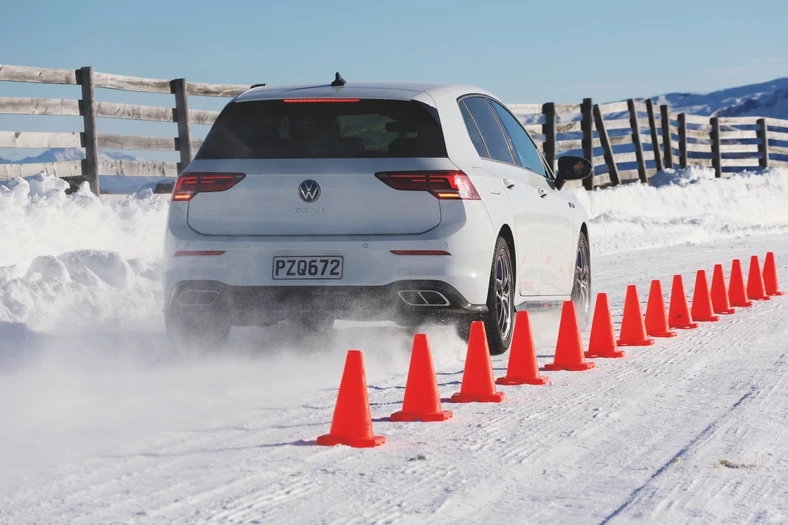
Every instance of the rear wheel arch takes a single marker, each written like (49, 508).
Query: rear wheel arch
(499, 317)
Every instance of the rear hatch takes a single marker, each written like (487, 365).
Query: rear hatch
(308, 167)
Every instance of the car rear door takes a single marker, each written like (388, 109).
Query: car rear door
(520, 190)
(557, 261)
(559, 243)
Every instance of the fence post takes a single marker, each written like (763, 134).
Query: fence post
(548, 128)
(667, 142)
(612, 169)
(90, 166)
(588, 138)
(633, 121)
(179, 88)
(716, 154)
(683, 139)
(652, 122)
(763, 145)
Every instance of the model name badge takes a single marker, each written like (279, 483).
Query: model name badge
(310, 210)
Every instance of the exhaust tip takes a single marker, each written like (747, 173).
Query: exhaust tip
(197, 297)
(423, 298)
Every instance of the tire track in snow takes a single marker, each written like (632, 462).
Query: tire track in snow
(654, 362)
(741, 437)
(252, 509)
(704, 434)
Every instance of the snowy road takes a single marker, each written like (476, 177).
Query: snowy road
(230, 440)
(101, 423)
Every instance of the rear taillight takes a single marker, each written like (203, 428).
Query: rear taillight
(190, 184)
(443, 184)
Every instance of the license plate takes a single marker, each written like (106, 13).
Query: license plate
(307, 267)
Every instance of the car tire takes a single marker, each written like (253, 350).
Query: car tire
(581, 288)
(499, 318)
(196, 332)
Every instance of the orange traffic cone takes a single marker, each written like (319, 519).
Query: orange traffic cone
(770, 275)
(701, 300)
(478, 383)
(603, 336)
(656, 315)
(755, 287)
(633, 329)
(352, 423)
(719, 292)
(422, 400)
(679, 313)
(569, 347)
(523, 368)
(737, 293)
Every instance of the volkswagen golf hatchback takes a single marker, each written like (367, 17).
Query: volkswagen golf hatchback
(401, 201)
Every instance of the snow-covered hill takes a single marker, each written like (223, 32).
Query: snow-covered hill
(65, 154)
(768, 99)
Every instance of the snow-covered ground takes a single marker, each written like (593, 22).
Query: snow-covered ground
(102, 423)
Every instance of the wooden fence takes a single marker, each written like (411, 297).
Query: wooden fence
(626, 141)
(90, 109)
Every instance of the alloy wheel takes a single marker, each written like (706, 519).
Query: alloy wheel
(582, 288)
(503, 293)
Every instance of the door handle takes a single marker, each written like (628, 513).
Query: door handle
(542, 193)
(509, 183)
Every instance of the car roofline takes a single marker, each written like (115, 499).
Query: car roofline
(380, 90)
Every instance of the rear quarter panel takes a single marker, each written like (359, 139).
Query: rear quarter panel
(463, 154)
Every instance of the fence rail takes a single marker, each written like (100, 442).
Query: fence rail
(90, 139)
(627, 141)
(634, 139)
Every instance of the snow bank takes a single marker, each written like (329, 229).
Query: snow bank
(73, 260)
(78, 289)
(38, 218)
(687, 207)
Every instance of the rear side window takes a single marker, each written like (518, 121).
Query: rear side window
(489, 128)
(473, 131)
(274, 129)
(523, 146)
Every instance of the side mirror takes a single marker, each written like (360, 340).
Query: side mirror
(572, 168)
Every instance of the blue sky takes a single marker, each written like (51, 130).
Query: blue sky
(523, 51)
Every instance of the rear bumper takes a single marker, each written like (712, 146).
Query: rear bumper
(369, 261)
(262, 305)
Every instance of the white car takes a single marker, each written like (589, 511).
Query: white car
(400, 200)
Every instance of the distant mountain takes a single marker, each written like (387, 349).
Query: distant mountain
(65, 154)
(768, 99)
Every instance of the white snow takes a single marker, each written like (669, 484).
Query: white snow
(72, 261)
(688, 206)
(101, 422)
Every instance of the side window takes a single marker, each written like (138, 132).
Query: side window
(473, 131)
(489, 128)
(523, 146)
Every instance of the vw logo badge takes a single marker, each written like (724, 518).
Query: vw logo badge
(309, 191)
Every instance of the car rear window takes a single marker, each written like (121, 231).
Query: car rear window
(275, 129)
